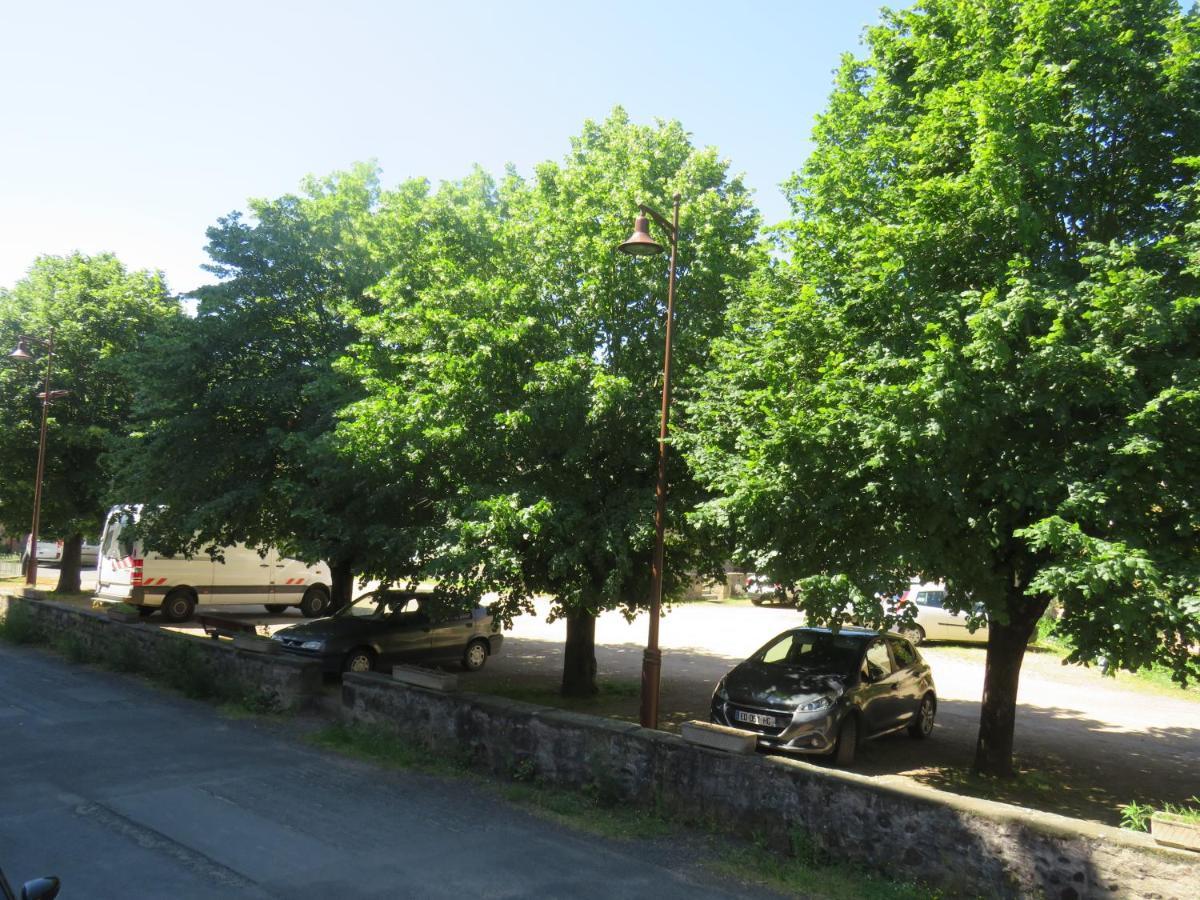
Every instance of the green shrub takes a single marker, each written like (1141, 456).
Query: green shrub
(72, 646)
(19, 626)
(180, 665)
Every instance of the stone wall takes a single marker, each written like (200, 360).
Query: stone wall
(957, 844)
(277, 682)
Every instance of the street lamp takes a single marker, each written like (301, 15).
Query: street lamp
(641, 244)
(47, 396)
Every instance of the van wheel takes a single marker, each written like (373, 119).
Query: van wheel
(178, 605)
(314, 602)
(276, 609)
(847, 742)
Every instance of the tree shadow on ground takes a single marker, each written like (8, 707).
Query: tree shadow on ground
(1068, 763)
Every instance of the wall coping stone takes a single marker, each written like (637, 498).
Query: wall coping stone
(719, 737)
(426, 678)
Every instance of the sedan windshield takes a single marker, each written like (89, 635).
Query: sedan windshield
(814, 650)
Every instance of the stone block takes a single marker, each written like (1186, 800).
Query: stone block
(255, 644)
(426, 678)
(719, 737)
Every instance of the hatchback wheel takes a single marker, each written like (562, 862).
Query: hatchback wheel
(847, 742)
(360, 659)
(475, 656)
(922, 724)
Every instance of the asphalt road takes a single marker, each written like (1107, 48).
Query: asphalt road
(125, 790)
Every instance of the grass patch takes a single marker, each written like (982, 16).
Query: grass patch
(616, 698)
(385, 748)
(808, 872)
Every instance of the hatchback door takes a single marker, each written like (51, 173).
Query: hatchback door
(450, 635)
(880, 702)
(909, 690)
(405, 634)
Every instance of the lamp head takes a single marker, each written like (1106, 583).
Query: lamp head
(22, 352)
(640, 243)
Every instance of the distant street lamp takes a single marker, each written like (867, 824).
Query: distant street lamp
(641, 244)
(47, 396)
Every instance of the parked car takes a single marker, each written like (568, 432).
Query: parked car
(52, 551)
(813, 691)
(386, 627)
(39, 889)
(762, 589)
(932, 622)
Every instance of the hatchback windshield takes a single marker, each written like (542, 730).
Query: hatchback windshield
(814, 650)
(378, 604)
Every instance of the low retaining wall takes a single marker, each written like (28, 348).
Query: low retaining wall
(276, 682)
(957, 844)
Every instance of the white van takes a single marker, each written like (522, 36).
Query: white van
(174, 584)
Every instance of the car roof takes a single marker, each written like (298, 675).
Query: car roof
(850, 630)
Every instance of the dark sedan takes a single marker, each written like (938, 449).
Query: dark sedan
(812, 691)
(386, 627)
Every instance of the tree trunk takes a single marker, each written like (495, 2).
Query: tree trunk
(1001, 678)
(579, 659)
(68, 567)
(341, 589)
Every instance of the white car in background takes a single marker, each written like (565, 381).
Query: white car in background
(52, 551)
(933, 622)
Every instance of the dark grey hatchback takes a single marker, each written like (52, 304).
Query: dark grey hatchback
(386, 627)
(812, 691)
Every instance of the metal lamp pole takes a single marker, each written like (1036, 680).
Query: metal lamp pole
(47, 396)
(641, 244)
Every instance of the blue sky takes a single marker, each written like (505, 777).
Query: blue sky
(131, 126)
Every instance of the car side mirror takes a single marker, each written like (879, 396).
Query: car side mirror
(40, 889)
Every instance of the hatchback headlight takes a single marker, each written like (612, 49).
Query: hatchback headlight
(815, 705)
(313, 645)
(721, 693)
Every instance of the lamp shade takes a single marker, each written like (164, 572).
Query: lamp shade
(22, 351)
(640, 243)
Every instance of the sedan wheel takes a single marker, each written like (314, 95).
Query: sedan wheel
(922, 724)
(359, 660)
(475, 656)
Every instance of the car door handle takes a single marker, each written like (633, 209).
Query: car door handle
(280, 565)
(263, 565)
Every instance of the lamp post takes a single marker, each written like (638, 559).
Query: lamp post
(641, 244)
(47, 396)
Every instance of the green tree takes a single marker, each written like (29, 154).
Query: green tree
(237, 404)
(532, 372)
(100, 315)
(980, 360)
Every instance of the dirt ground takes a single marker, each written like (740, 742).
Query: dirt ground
(1086, 744)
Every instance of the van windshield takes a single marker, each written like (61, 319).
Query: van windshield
(117, 542)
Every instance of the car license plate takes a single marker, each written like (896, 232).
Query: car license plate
(754, 718)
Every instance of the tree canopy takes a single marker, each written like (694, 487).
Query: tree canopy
(236, 404)
(528, 370)
(100, 315)
(978, 360)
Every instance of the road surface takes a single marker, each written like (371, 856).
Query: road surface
(125, 790)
